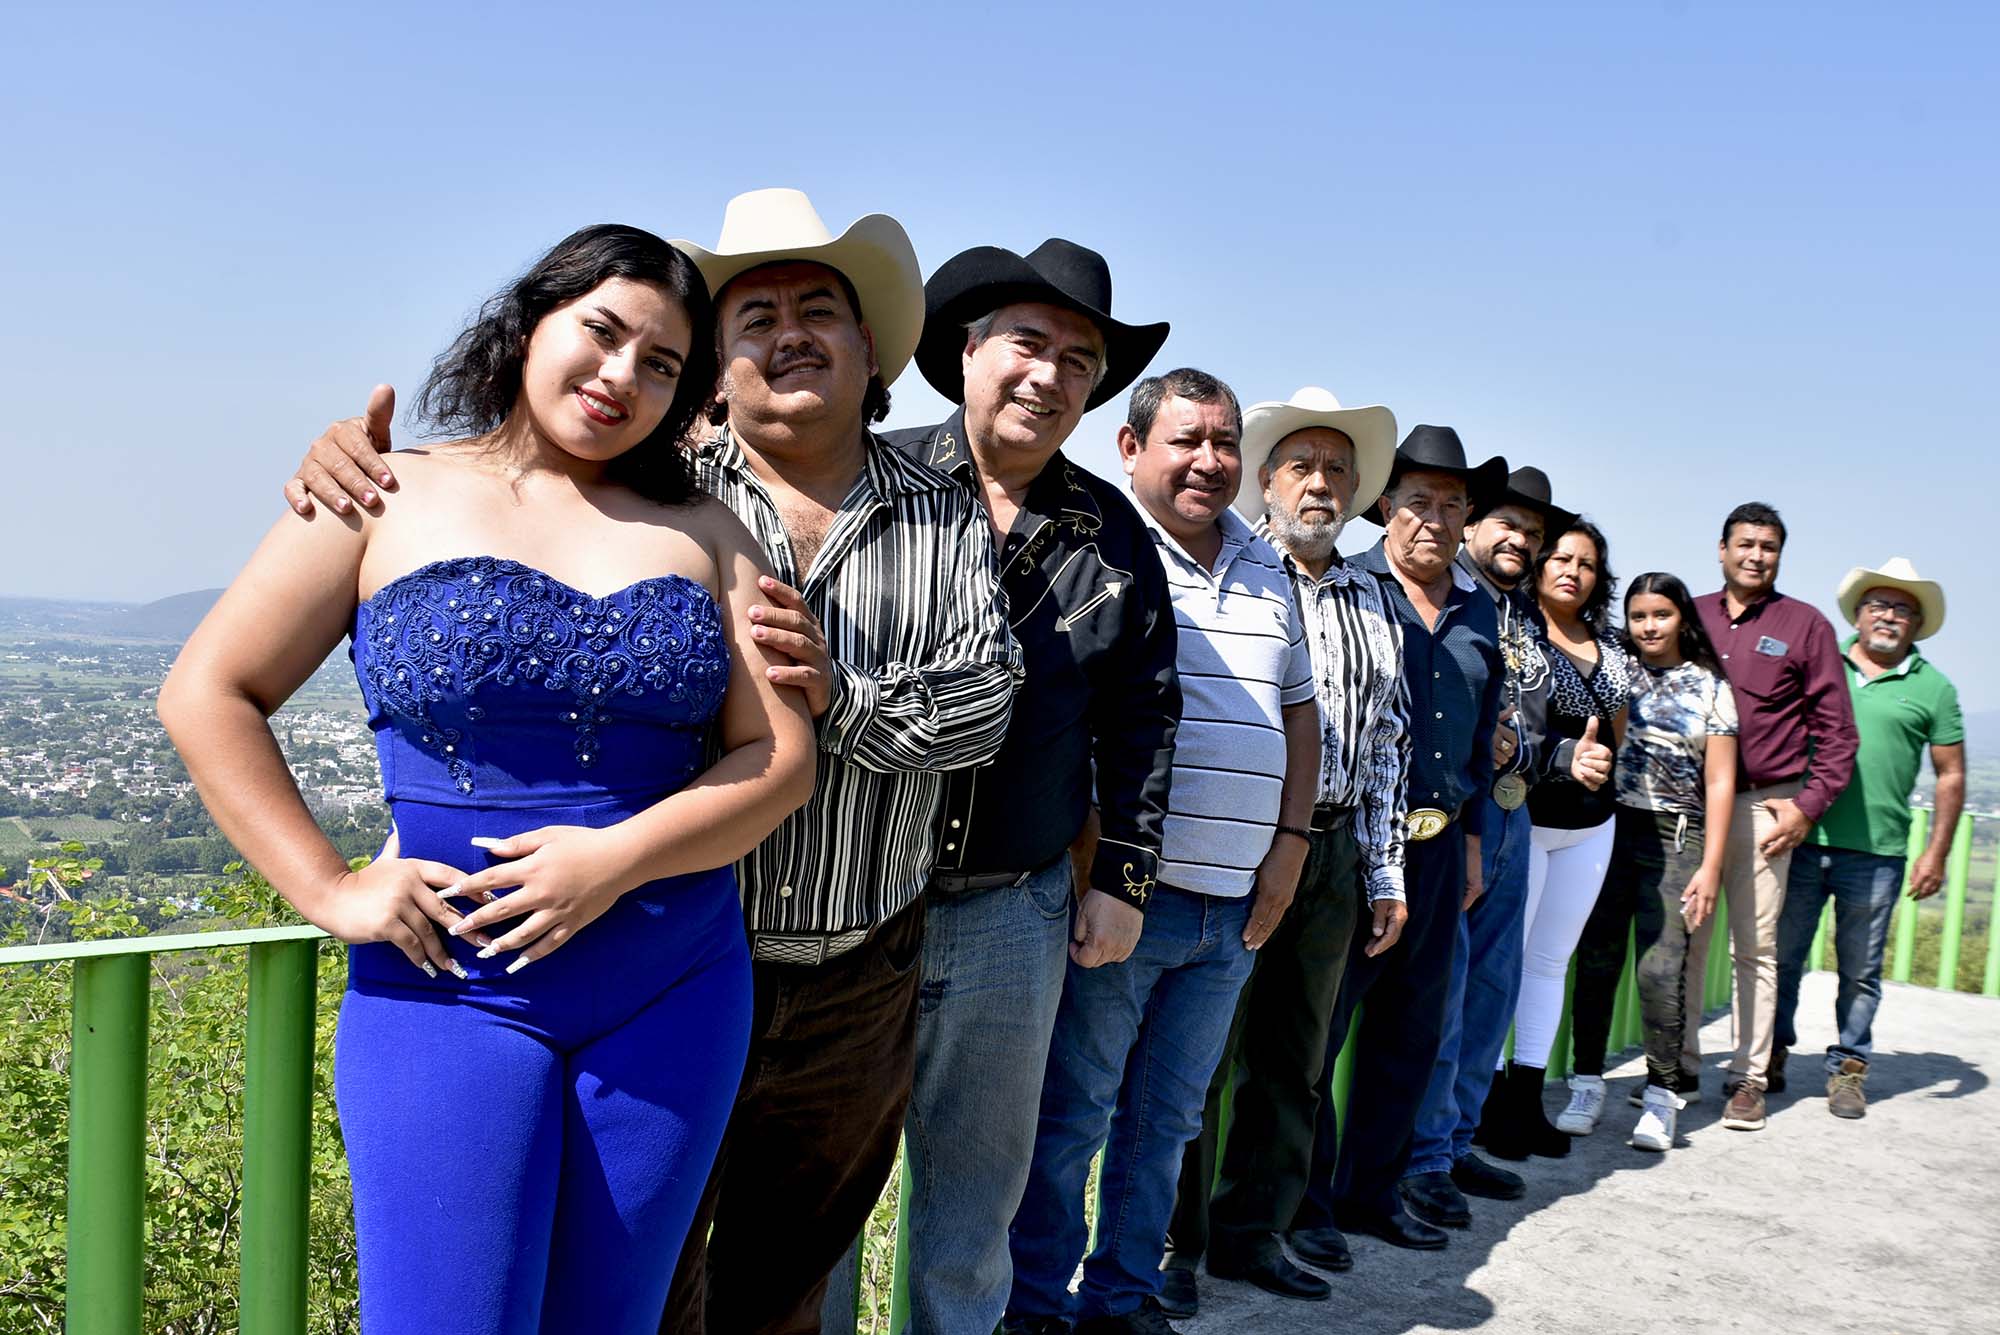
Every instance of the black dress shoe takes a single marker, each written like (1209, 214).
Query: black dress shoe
(1433, 1199)
(1398, 1228)
(1322, 1247)
(1271, 1271)
(1476, 1177)
(1178, 1295)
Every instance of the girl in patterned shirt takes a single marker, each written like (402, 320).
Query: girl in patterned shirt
(1675, 781)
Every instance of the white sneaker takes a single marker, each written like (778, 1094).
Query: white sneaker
(1586, 1105)
(1689, 1096)
(1656, 1120)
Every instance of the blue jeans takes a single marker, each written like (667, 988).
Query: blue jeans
(1864, 887)
(1135, 1044)
(992, 976)
(1479, 1005)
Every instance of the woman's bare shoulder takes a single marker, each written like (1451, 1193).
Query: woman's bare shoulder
(716, 527)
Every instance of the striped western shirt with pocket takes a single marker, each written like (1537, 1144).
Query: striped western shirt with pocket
(1364, 710)
(924, 674)
(1242, 659)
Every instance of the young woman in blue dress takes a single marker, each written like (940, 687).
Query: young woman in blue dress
(548, 997)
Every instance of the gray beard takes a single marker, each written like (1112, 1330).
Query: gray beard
(1308, 542)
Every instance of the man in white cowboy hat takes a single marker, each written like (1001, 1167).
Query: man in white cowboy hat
(1025, 345)
(1454, 674)
(1315, 466)
(885, 594)
(1855, 854)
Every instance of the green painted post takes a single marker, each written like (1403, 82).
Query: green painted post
(1958, 871)
(1343, 1072)
(899, 1282)
(1818, 960)
(1990, 984)
(1718, 956)
(277, 1136)
(107, 1130)
(1906, 910)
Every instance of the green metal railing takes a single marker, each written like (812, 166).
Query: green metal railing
(110, 994)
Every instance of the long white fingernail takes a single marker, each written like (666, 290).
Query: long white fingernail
(452, 891)
(485, 841)
(430, 968)
(459, 971)
(488, 953)
(458, 928)
(518, 965)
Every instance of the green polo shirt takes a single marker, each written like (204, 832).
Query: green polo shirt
(1897, 715)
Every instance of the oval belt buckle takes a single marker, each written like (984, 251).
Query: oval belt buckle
(1425, 822)
(1510, 791)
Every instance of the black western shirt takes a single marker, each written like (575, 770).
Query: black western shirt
(1088, 604)
(1525, 650)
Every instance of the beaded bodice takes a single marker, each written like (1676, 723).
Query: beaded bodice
(489, 682)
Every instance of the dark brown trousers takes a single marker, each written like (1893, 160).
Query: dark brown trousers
(810, 1142)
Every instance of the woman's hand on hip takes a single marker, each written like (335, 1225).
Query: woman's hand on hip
(395, 900)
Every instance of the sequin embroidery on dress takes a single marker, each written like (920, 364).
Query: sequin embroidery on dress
(483, 649)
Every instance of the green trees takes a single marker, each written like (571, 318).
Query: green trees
(194, 1110)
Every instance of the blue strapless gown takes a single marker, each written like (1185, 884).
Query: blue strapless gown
(557, 1123)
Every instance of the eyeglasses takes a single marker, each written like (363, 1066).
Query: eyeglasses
(1900, 611)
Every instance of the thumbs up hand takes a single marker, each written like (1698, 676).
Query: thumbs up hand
(1591, 765)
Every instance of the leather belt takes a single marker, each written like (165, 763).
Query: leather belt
(958, 882)
(1426, 823)
(954, 882)
(779, 948)
(1330, 816)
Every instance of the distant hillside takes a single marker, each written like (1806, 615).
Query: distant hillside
(170, 619)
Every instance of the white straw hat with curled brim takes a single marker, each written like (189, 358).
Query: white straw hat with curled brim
(1896, 573)
(1372, 429)
(874, 254)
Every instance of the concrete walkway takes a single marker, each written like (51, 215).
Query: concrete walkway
(1888, 1224)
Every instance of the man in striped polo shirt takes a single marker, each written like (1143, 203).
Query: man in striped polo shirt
(1136, 1041)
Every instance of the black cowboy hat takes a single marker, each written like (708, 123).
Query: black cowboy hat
(980, 281)
(1529, 488)
(1436, 449)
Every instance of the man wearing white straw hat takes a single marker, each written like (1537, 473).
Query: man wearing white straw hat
(886, 596)
(1855, 855)
(1315, 466)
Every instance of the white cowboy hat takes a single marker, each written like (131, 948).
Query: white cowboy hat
(874, 254)
(1372, 429)
(1896, 573)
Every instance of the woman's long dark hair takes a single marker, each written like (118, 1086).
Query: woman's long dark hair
(1695, 646)
(475, 383)
(1601, 593)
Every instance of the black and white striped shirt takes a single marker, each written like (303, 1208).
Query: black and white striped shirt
(1364, 709)
(924, 676)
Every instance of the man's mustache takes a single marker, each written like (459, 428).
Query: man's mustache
(796, 361)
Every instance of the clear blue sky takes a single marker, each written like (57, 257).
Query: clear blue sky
(1679, 255)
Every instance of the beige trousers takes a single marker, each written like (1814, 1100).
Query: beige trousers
(1755, 887)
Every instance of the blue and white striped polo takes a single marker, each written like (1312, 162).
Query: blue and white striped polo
(1242, 659)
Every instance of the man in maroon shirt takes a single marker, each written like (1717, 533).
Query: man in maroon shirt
(1795, 754)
